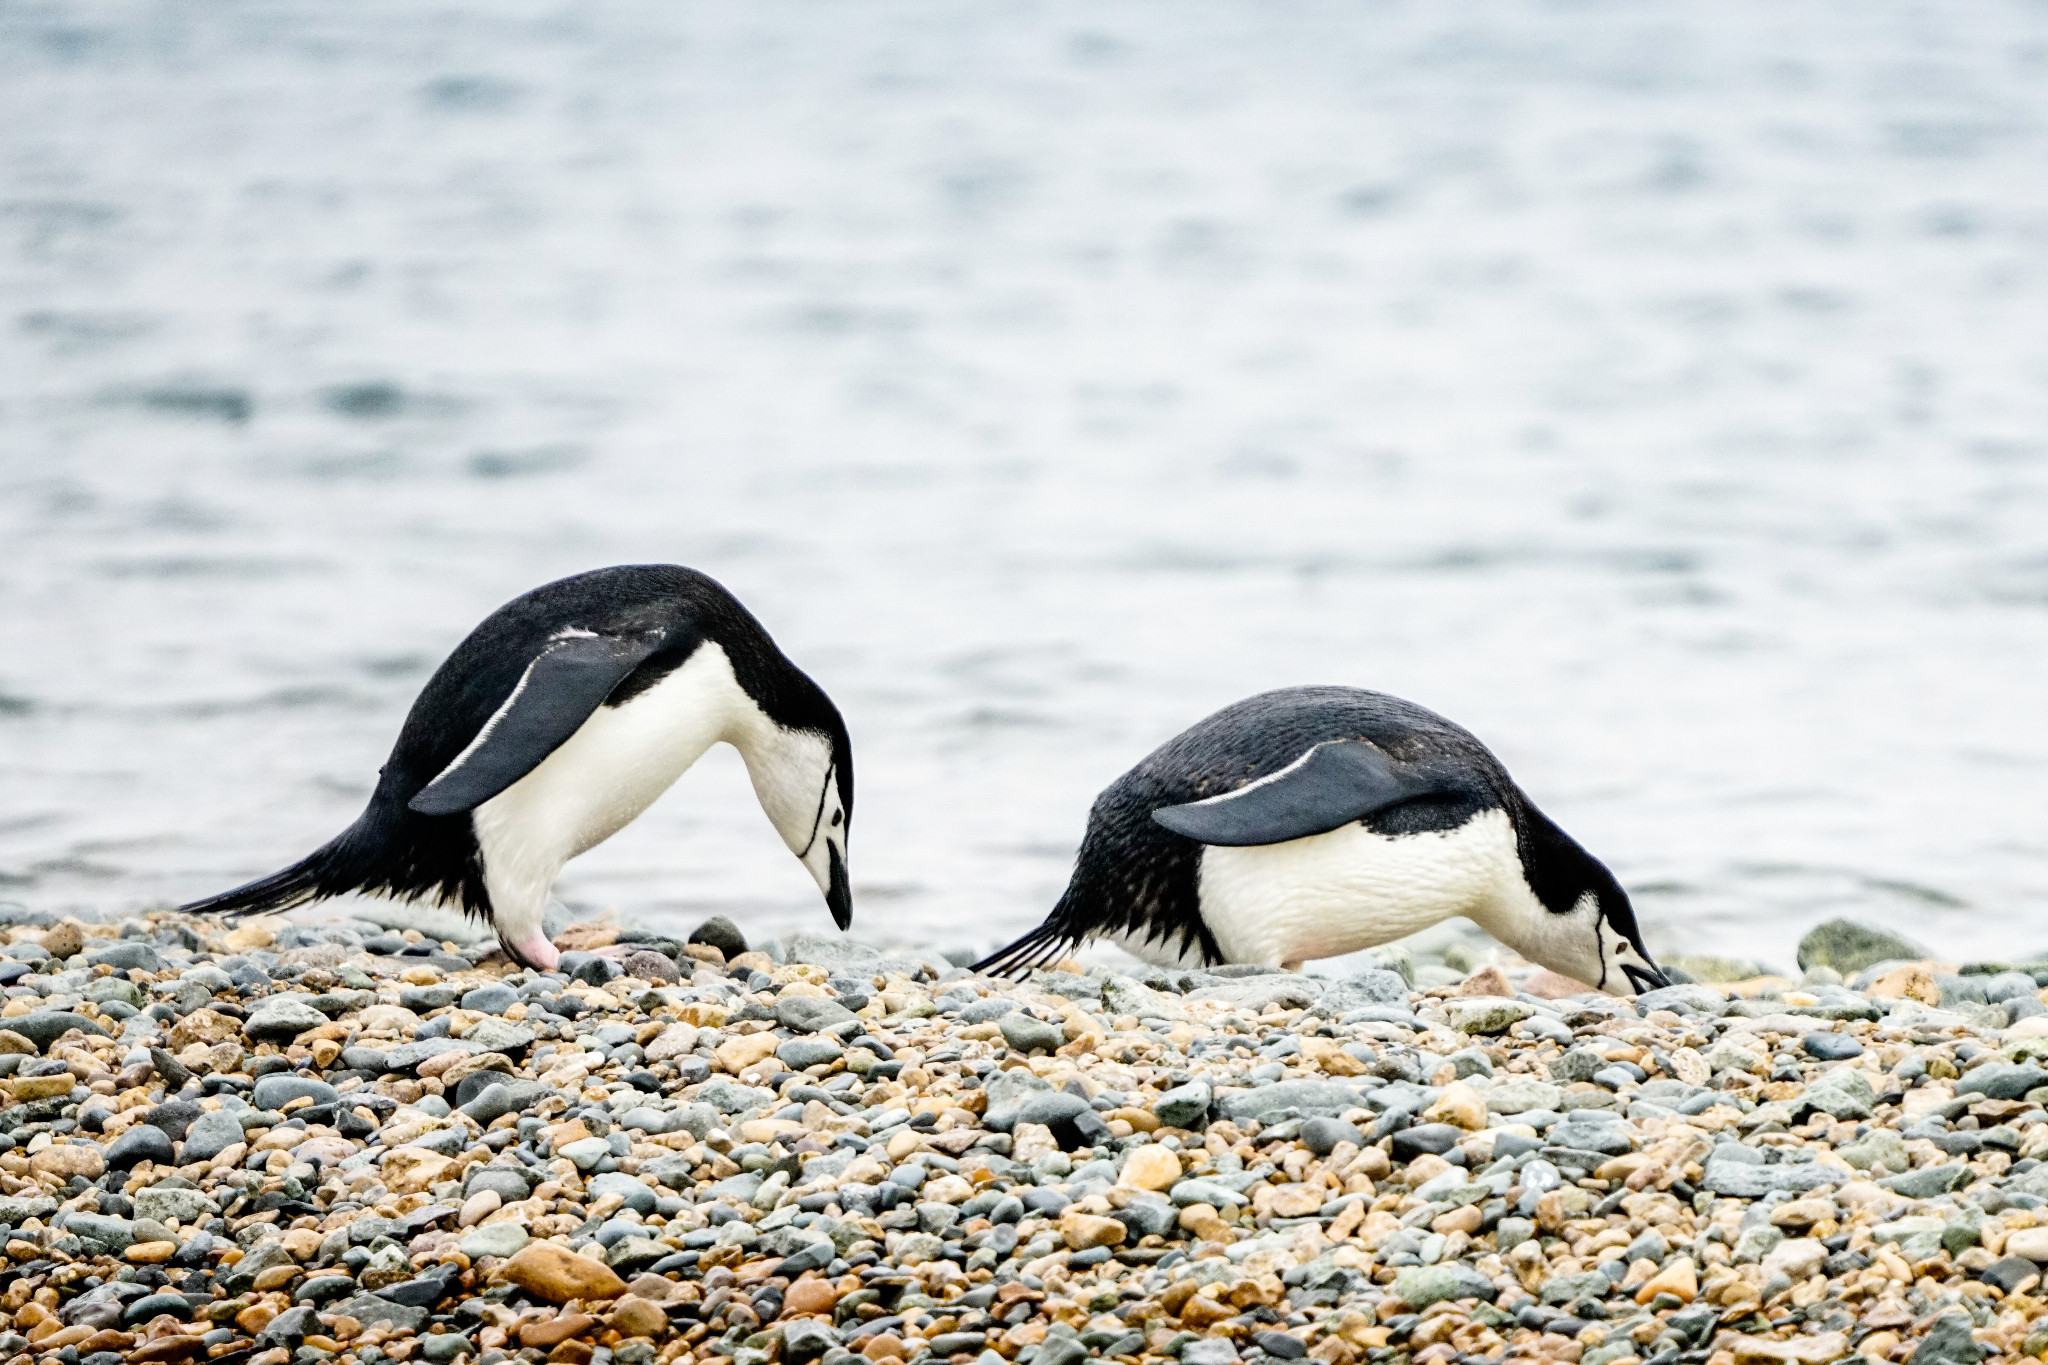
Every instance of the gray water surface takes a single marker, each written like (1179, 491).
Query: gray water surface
(1661, 392)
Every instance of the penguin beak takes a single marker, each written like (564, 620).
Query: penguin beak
(1645, 978)
(839, 895)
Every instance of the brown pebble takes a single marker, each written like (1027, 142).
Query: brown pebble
(633, 1316)
(550, 1331)
(557, 1275)
(809, 1296)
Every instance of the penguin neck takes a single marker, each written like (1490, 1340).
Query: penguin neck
(1548, 907)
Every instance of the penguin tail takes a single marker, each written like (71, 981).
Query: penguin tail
(328, 871)
(1041, 946)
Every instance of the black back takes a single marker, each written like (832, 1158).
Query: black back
(393, 849)
(1135, 876)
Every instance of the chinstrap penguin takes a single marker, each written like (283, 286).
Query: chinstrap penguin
(556, 722)
(1314, 821)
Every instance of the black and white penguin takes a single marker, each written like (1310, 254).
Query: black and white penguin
(559, 720)
(1315, 821)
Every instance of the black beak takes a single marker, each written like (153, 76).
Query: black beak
(1645, 978)
(839, 898)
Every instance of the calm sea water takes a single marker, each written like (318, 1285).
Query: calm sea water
(1662, 393)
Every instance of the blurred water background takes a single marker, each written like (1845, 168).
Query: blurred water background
(1661, 392)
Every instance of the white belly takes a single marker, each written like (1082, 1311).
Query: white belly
(603, 776)
(1334, 893)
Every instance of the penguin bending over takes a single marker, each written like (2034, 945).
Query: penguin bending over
(1314, 821)
(556, 722)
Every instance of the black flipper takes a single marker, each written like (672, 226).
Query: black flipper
(1329, 787)
(557, 693)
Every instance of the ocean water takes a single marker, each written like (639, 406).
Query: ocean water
(1661, 392)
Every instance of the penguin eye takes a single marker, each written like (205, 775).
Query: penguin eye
(837, 816)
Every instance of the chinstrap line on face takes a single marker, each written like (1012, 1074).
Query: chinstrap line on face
(1317, 821)
(560, 719)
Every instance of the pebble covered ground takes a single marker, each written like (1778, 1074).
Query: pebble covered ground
(288, 1143)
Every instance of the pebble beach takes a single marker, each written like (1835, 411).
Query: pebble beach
(281, 1143)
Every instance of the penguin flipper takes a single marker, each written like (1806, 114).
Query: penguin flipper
(1328, 787)
(560, 690)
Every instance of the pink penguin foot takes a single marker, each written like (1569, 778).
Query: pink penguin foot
(534, 951)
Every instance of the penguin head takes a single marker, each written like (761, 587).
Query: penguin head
(805, 784)
(1598, 943)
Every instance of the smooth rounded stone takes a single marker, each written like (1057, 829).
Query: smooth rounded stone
(502, 1239)
(281, 1021)
(1321, 1135)
(1199, 1191)
(1184, 1106)
(324, 1289)
(1849, 947)
(492, 999)
(1370, 987)
(373, 1060)
(148, 1306)
(1483, 1014)
(143, 1143)
(111, 989)
(1026, 1033)
(1148, 1215)
(44, 1027)
(1590, 1284)
(720, 933)
(1432, 1138)
(807, 1339)
(645, 1120)
(1283, 1100)
(509, 1185)
(986, 1010)
(635, 1192)
(2031, 1243)
(648, 965)
(1928, 1181)
(1683, 999)
(210, 1135)
(1521, 1094)
(1207, 1351)
(2001, 1080)
(114, 1235)
(556, 1274)
(278, 1089)
(811, 1014)
(1831, 1047)
(499, 1035)
(423, 1000)
(373, 1309)
(1950, 1342)
(585, 1152)
(799, 1054)
(125, 955)
(491, 1103)
(1844, 1092)
(1150, 1167)
(1797, 1258)
(444, 1346)
(1420, 1286)
(173, 1118)
(1050, 1107)
(1254, 995)
(477, 1207)
(166, 1203)
(1279, 1345)
(1744, 1180)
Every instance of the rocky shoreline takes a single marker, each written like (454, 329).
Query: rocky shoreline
(281, 1143)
